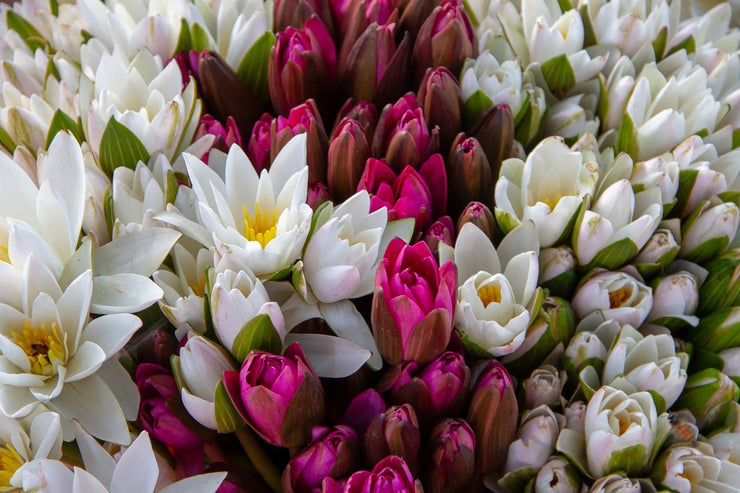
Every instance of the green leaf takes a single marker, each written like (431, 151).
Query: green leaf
(199, 38)
(7, 141)
(62, 121)
(183, 40)
(27, 32)
(227, 417)
(258, 333)
(627, 137)
(476, 104)
(558, 73)
(252, 69)
(120, 147)
(615, 255)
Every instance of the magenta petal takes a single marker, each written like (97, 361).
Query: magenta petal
(231, 385)
(266, 411)
(406, 314)
(434, 174)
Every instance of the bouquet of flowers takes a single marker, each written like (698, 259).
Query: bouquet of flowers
(370, 246)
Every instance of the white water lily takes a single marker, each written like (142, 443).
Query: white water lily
(495, 287)
(615, 483)
(51, 351)
(616, 295)
(694, 468)
(535, 440)
(675, 296)
(569, 118)
(618, 218)
(548, 189)
(200, 365)
(37, 437)
(143, 94)
(662, 172)
(544, 386)
(261, 221)
(621, 433)
(137, 469)
(500, 82)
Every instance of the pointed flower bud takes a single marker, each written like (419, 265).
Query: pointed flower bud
(402, 136)
(450, 460)
(657, 254)
(304, 118)
(445, 39)
(348, 151)
(675, 298)
(303, 65)
(316, 195)
(390, 475)
(468, 174)
(709, 230)
(721, 288)
(413, 304)
(558, 476)
(584, 349)
(494, 129)
(294, 13)
(441, 231)
(440, 100)
(705, 390)
(394, 432)
(365, 113)
(280, 397)
(334, 452)
(258, 148)
(363, 408)
(544, 386)
(481, 216)
(225, 137)
(557, 270)
(493, 413)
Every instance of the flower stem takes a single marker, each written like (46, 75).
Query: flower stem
(260, 460)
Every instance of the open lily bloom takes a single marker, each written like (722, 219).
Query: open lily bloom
(51, 353)
(261, 221)
(37, 437)
(495, 288)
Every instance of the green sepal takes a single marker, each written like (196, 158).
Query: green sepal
(110, 217)
(649, 271)
(614, 256)
(522, 110)
(86, 36)
(6, 141)
(659, 401)
(627, 137)
(257, 334)
(27, 32)
(565, 5)
(589, 34)
(210, 332)
(517, 480)
(659, 43)
(708, 250)
(629, 460)
(176, 372)
(62, 121)
(602, 109)
(319, 218)
(199, 39)
(736, 138)
(688, 44)
(476, 104)
(732, 196)
(298, 279)
(505, 220)
(558, 73)
(686, 181)
(52, 70)
(171, 187)
(722, 287)
(54, 7)
(282, 275)
(473, 348)
(227, 417)
(252, 69)
(119, 146)
(183, 40)
(561, 285)
(717, 331)
(702, 360)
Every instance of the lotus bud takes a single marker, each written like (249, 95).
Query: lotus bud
(280, 397)
(493, 413)
(721, 289)
(535, 443)
(333, 452)
(224, 94)
(616, 483)
(440, 100)
(394, 432)
(494, 129)
(731, 363)
(554, 325)
(469, 175)
(348, 151)
(451, 457)
(224, 137)
(389, 475)
(575, 416)
(402, 136)
(187, 62)
(557, 270)
(584, 349)
(356, 19)
(317, 194)
(544, 387)
(304, 118)
(684, 467)
(708, 231)
(717, 331)
(441, 231)
(414, 13)
(364, 112)
(705, 390)
(683, 427)
(558, 476)
(615, 294)
(153, 346)
(413, 304)
(723, 418)
(657, 254)
(294, 13)
(258, 148)
(435, 391)
(302, 66)
(445, 39)
(675, 298)
(479, 215)
(362, 410)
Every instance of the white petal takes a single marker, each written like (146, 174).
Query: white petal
(202, 483)
(347, 322)
(203, 411)
(522, 273)
(84, 482)
(474, 252)
(331, 357)
(16, 402)
(116, 377)
(74, 306)
(290, 160)
(96, 459)
(123, 293)
(86, 361)
(23, 241)
(17, 192)
(111, 332)
(138, 253)
(137, 468)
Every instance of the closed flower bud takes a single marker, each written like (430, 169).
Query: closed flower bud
(575, 416)
(316, 195)
(724, 417)
(258, 148)
(348, 151)
(706, 389)
(468, 174)
(364, 112)
(294, 13)
(721, 289)
(558, 476)
(494, 129)
(440, 100)
(390, 475)
(303, 118)
(584, 349)
(445, 39)
(675, 298)
(617, 295)
(717, 331)
(731, 363)
(362, 410)
(657, 254)
(450, 453)
(402, 136)
(493, 413)
(394, 432)
(557, 270)
(225, 137)
(480, 215)
(544, 386)
(709, 230)
(441, 231)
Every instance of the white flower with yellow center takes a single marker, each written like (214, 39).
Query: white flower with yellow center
(261, 221)
(547, 189)
(52, 351)
(500, 82)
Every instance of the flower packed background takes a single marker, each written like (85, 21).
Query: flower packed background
(369, 246)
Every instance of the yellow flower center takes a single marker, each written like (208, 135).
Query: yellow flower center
(261, 226)
(490, 294)
(43, 348)
(199, 288)
(618, 297)
(4, 254)
(552, 202)
(10, 461)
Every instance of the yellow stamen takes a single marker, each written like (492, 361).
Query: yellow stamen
(42, 347)
(260, 226)
(4, 254)
(618, 297)
(10, 461)
(490, 294)
(552, 202)
(199, 288)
